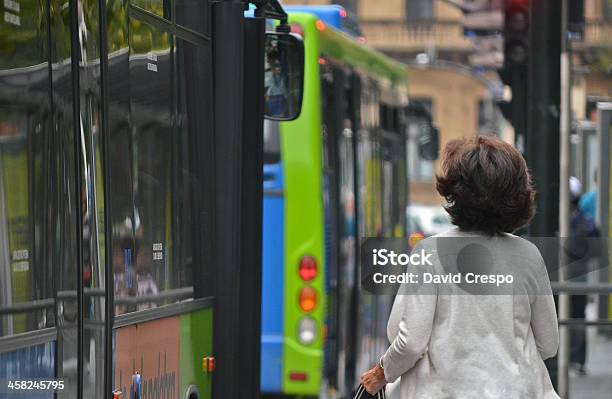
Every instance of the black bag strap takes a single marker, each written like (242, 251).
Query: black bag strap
(360, 390)
(363, 394)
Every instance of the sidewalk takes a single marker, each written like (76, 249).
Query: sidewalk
(597, 384)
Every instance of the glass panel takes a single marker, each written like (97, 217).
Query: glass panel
(394, 185)
(24, 124)
(400, 196)
(169, 85)
(161, 8)
(387, 197)
(155, 218)
(144, 266)
(192, 141)
(369, 213)
(370, 189)
(348, 261)
(193, 14)
(37, 192)
(121, 141)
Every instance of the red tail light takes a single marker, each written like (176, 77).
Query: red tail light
(298, 376)
(307, 268)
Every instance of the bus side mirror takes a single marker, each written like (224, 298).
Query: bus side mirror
(284, 76)
(429, 141)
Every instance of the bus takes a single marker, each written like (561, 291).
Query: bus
(335, 174)
(131, 147)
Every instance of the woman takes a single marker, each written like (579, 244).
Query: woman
(457, 343)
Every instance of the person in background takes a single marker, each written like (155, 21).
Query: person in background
(581, 249)
(588, 201)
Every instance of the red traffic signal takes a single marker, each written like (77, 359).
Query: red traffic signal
(516, 32)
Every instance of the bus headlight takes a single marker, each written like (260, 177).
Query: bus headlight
(307, 330)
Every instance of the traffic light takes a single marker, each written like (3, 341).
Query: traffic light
(514, 72)
(516, 33)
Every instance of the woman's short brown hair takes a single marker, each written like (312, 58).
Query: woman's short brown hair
(486, 184)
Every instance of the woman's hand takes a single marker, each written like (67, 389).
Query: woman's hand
(373, 380)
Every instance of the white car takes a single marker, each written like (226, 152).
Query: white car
(427, 219)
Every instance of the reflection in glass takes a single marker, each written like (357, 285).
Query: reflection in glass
(37, 192)
(153, 224)
(160, 8)
(24, 114)
(193, 14)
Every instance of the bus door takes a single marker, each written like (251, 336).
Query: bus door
(160, 168)
(340, 94)
(332, 79)
(105, 282)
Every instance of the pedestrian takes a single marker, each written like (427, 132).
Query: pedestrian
(581, 248)
(468, 345)
(588, 200)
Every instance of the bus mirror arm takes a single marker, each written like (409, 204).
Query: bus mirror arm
(272, 9)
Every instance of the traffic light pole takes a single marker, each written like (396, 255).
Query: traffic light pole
(543, 105)
(564, 196)
(542, 137)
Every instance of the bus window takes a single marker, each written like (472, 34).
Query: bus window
(26, 300)
(21, 192)
(387, 197)
(193, 81)
(154, 254)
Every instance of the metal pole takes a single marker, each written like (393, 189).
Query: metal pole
(564, 198)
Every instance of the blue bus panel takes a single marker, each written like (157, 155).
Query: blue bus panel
(273, 275)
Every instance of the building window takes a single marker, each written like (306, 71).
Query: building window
(419, 10)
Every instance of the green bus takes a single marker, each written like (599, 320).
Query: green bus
(335, 174)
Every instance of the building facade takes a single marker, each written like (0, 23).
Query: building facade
(453, 72)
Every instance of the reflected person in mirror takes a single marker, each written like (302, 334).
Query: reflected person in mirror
(276, 91)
